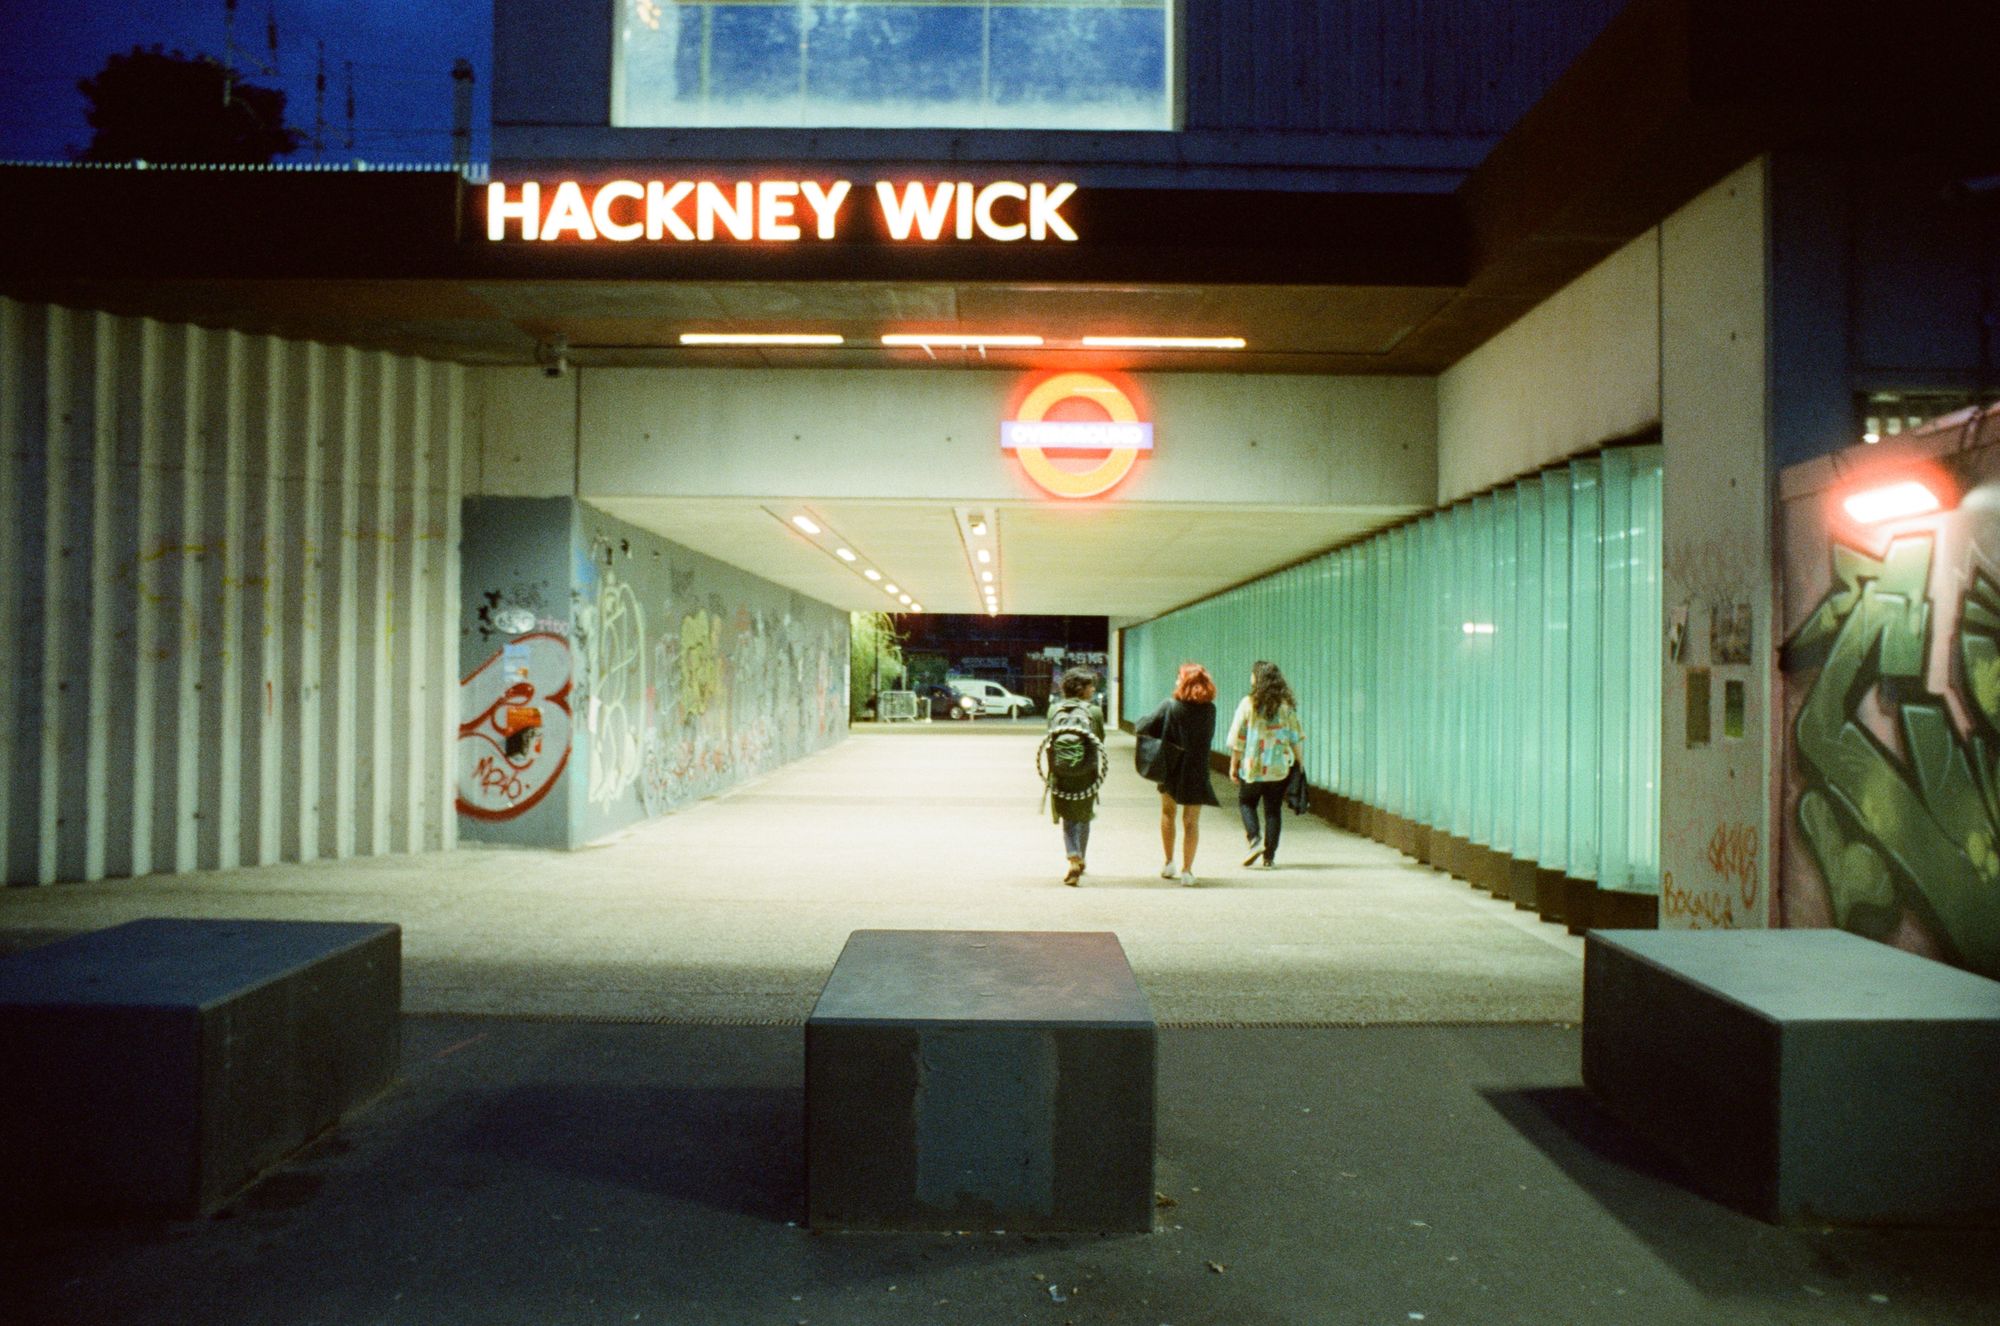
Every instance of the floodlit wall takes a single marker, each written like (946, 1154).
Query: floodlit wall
(1891, 699)
(1491, 670)
(228, 573)
(658, 675)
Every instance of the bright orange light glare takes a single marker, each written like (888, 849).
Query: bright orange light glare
(1893, 501)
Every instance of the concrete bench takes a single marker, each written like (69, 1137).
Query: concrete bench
(158, 1067)
(1802, 1075)
(980, 1080)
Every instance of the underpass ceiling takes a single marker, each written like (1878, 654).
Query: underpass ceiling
(1090, 559)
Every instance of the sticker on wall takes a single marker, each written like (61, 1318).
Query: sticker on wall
(1085, 418)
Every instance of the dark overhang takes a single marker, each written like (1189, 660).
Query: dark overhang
(1671, 97)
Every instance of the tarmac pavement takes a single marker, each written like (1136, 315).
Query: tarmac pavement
(1369, 1106)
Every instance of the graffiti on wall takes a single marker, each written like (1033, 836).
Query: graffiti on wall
(611, 632)
(515, 727)
(683, 693)
(1893, 781)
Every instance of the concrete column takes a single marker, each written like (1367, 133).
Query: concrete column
(1715, 814)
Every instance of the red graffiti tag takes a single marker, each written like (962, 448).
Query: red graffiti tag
(1732, 855)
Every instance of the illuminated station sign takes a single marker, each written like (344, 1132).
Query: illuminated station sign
(1085, 415)
(775, 211)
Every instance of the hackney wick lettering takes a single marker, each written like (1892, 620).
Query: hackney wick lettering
(774, 211)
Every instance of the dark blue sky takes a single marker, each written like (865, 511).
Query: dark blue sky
(402, 52)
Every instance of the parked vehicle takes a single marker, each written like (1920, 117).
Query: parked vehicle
(946, 701)
(992, 697)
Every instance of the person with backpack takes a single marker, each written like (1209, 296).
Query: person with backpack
(1264, 748)
(1073, 763)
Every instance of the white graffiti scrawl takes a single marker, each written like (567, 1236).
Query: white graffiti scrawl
(504, 768)
(612, 633)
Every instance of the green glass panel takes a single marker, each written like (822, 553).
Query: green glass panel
(1586, 565)
(1555, 670)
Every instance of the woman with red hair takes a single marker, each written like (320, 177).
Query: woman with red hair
(1184, 728)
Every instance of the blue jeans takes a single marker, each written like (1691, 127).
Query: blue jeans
(1076, 837)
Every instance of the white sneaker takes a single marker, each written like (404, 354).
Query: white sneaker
(1187, 879)
(1167, 871)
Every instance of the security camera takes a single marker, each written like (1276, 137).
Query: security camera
(553, 356)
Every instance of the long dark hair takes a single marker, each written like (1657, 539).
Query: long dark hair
(1268, 689)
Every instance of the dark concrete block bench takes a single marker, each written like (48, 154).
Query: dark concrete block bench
(158, 1067)
(980, 1080)
(1802, 1074)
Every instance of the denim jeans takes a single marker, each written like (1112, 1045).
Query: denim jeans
(1272, 796)
(1076, 836)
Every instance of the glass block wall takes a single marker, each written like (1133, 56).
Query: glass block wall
(1491, 670)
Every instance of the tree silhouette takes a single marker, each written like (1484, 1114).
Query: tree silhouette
(154, 105)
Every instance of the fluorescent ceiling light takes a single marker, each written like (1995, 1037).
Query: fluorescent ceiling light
(916, 607)
(987, 576)
(805, 523)
(1479, 628)
(890, 589)
(985, 556)
(759, 338)
(925, 339)
(843, 554)
(905, 598)
(978, 527)
(1164, 342)
(872, 573)
(1892, 502)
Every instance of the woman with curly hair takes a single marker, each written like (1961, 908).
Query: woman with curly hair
(1264, 745)
(1187, 722)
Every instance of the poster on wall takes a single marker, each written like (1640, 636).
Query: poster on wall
(1890, 681)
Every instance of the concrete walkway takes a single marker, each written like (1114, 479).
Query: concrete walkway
(734, 909)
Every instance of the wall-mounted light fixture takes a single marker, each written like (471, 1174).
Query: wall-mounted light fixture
(1898, 499)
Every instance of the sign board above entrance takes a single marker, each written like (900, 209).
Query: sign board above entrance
(775, 211)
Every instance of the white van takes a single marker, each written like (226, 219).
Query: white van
(991, 696)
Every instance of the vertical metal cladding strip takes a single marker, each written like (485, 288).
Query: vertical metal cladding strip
(181, 721)
(209, 642)
(227, 655)
(302, 493)
(266, 591)
(339, 781)
(248, 588)
(98, 705)
(449, 489)
(413, 608)
(20, 326)
(378, 631)
(58, 372)
(143, 384)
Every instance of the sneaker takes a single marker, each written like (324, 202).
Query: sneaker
(1167, 871)
(1187, 879)
(1075, 871)
(1256, 854)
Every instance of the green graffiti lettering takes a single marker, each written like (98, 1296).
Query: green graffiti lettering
(1891, 831)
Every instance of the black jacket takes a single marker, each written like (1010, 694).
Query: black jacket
(1192, 728)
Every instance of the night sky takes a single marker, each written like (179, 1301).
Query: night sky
(402, 51)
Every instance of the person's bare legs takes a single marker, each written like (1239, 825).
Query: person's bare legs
(1166, 828)
(1190, 836)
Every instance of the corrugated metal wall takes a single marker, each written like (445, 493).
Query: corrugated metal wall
(1492, 670)
(228, 597)
(1454, 67)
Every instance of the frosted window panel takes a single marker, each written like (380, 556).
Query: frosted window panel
(896, 64)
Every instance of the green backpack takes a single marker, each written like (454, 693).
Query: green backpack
(1071, 759)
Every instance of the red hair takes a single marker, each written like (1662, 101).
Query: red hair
(1195, 685)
